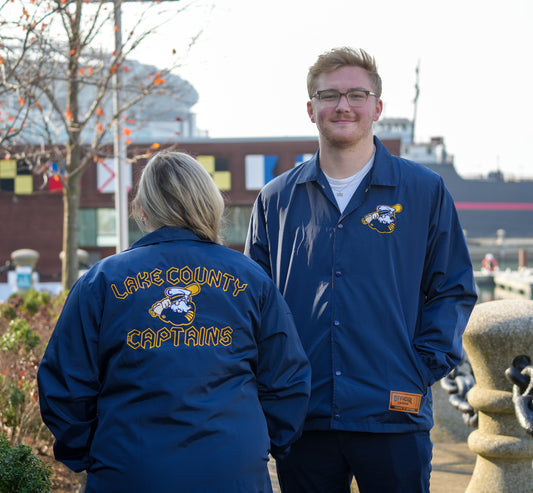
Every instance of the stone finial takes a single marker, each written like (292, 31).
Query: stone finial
(498, 332)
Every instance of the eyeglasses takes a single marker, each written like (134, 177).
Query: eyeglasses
(356, 97)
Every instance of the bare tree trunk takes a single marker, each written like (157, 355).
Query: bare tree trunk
(71, 202)
(71, 195)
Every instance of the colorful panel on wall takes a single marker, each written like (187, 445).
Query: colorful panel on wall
(15, 177)
(301, 158)
(218, 168)
(259, 170)
(105, 175)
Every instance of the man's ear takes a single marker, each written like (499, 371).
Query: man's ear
(379, 110)
(311, 111)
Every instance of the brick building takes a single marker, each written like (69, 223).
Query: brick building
(32, 217)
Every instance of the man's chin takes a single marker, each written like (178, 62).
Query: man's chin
(343, 140)
(339, 142)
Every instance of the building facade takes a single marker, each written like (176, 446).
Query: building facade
(32, 214)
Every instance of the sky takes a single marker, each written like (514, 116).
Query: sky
(250, 64)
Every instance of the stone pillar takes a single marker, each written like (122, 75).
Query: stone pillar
(83, 256)
(24, 276)
(25, 257)
(497, 332)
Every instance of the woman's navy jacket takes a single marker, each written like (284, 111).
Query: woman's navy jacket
(174, 367)
(380, 293)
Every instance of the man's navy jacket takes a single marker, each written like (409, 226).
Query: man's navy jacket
(175, 367)
(380, 293)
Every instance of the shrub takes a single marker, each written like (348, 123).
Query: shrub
(23, 335)
(19, 410)
(56, 305)
(12, 398)
(19, 406)
(19, 336)
(7, 311)
(34, 299)
(21, 471)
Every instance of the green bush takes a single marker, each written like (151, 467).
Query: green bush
(7, 311)
(56, 305)
(18, 410)
(11, 402)
(20, 335)
(21, 471)
(34, 299)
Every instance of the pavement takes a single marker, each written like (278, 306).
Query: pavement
(453, 462)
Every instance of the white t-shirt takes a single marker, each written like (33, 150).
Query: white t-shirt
(344, 188)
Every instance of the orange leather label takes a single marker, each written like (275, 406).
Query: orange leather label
(405, 402)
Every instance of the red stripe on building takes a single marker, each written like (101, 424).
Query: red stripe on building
(494, 206)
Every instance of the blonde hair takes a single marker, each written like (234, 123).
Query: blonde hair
(175, 190)
(342, 57)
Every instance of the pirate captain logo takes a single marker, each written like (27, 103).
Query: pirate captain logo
(177, 307)
(383, 219)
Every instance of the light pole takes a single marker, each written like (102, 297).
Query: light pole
(119, 143)
(121, 194)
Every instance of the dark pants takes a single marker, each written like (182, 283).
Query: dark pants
(326, 462)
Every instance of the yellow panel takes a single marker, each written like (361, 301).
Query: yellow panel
(24, 184)
(223, 180)
(208, 162)
(8, 168)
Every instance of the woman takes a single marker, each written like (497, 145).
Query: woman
(175, 365)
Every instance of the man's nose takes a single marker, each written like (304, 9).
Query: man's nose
(343, 101)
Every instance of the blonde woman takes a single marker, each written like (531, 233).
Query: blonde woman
(175, 365)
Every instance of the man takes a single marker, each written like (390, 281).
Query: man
(368, 251)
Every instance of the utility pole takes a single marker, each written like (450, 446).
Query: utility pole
(415, 101)
(121, 194)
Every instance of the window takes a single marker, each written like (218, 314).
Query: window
(235, 225)
(97, 228)
(105, 228)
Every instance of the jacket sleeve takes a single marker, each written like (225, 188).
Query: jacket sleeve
(256, 246)
(283, 374)
(448, 288)
(68, 380)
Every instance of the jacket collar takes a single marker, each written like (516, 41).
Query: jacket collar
(383, 173)
(164, 234)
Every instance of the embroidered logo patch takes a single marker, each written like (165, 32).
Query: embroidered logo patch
(404, 402)
(177, 307)
(383, 219)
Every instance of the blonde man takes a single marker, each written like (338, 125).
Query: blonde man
(368, 252)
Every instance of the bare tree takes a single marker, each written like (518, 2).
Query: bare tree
(53, 52)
